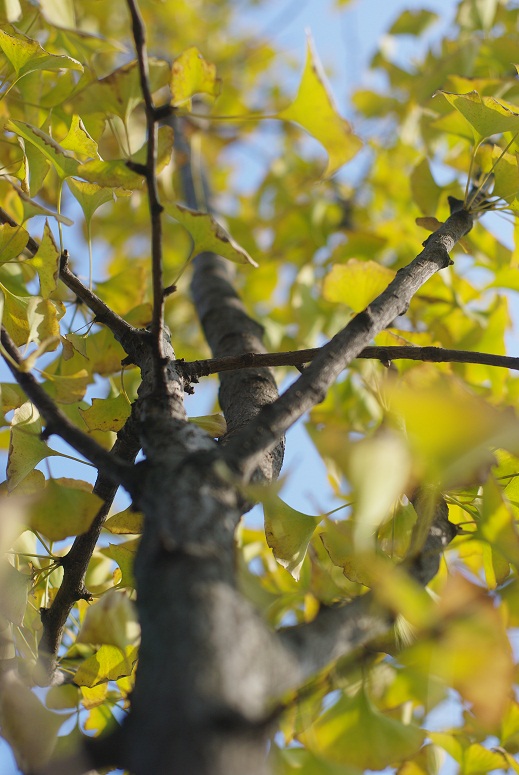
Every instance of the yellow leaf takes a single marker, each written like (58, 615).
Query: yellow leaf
(190, 75)
(112, 620)
(13, 240)
(107, 414)
(356, 283)
(214, 424)
(288, 533)
(108, 664)
(314, 109)
(46, 263)
(486, 115)
(26, 448)
(126, 522)
(66, 507)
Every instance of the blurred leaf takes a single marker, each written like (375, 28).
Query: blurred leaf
(412, 22)
(314, 110)
(111, 620)
(190, 75)
(288, 533)
(26, 448)
(214, 424)
(26, 55)
(356, 283)
(66, 507)
(486, 115)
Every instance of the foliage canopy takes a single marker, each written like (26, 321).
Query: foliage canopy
(408, 595)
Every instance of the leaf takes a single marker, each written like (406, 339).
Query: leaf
(26, 448)
(29, 728)
(78, 140)
(66, 507)
(124, 556)
(108, 664)
(426, 192)
(486, 115)
(46, 262)
(356, 283)
(314, 110)
(26, 56)
(107, 414)
(111, 620)
(68, 389)
(14, 590)
(288, 533)
(13, 240)
(126, 522)
(412, 22)
(62, 160)
(353, 732)
(90, 196)
(207, 234)
(110, 174)
(190, 75)
(214, 424)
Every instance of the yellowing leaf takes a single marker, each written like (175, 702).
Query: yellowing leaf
(486, 115)
(314, 110)
(207, 234)
(214, 424)
(426, 192)
(107, 414)
(14, 589)
(108, 664)
(110, 174)
(66, 507)
(26, 55)
(112, 620)
(90, 196)
(356, 283)
(68, 389)
(353, 732)
(78, 140)
(124, 555)
(190, 75)
(13, 240)
(126, 522)
(26, 448)
(62, 160)
(26, 724)
(46, 263)
(288, 533)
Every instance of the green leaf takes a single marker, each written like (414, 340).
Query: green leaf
(78, 140)
(190, 75)
(108, 664)
(124, 556)
(110, 174)
(26, 56)
(14, 590)
(486, 115)
(68, 389)
(288, 533)
(356, 283)
(107, 414)
(412, 22)
(353, 732)
(207, 234)
(61, 159)
(46, 262)
(426, 192)
(314, 109)
(65, 508)
(26, 448)
(127, 522)
(90, 196)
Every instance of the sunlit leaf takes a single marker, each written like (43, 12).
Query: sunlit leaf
(112, 620)
(26, 55)
(191, 74)
(288, 533)
(108, 664)
(90, 196)
(314, 109)
(214, 424)
(13, 240)
(356, 283)
(124, 556)
(66, 507)
(14, 590)
(208, 235)
(125, 522)
(486, 115)
(78, 140)
(26, 448)
(61, 159)
(107, 414)
(46, 263)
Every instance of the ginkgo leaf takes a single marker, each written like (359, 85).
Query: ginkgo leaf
(11, 10)
(78, 140)
(68, 389)
(26, 448)
(124, 556)
(26, 56)
(112, 620)
(190, 75)
(61, 159)
(90, 196)
(214, 424)
(208, 235)
(355, 733)
(288, 533)
(66, 507)
(486, 115)
(356, 283)
(127, 522)
(110, 174)
(314, 109)
(107, 414)
(108, 664)
(14, 590)
(13, 240)
(412, 22)
(424, 188)
(46, 263)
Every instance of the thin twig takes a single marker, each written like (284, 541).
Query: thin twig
(58, 423)
(193, 370)
(156, 209)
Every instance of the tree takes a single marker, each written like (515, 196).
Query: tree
(323, 643)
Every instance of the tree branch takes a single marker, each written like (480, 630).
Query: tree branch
(229, 330)
(115, 470)
(75, 562)
(193, 370)
(156, 209)
(264, 431)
